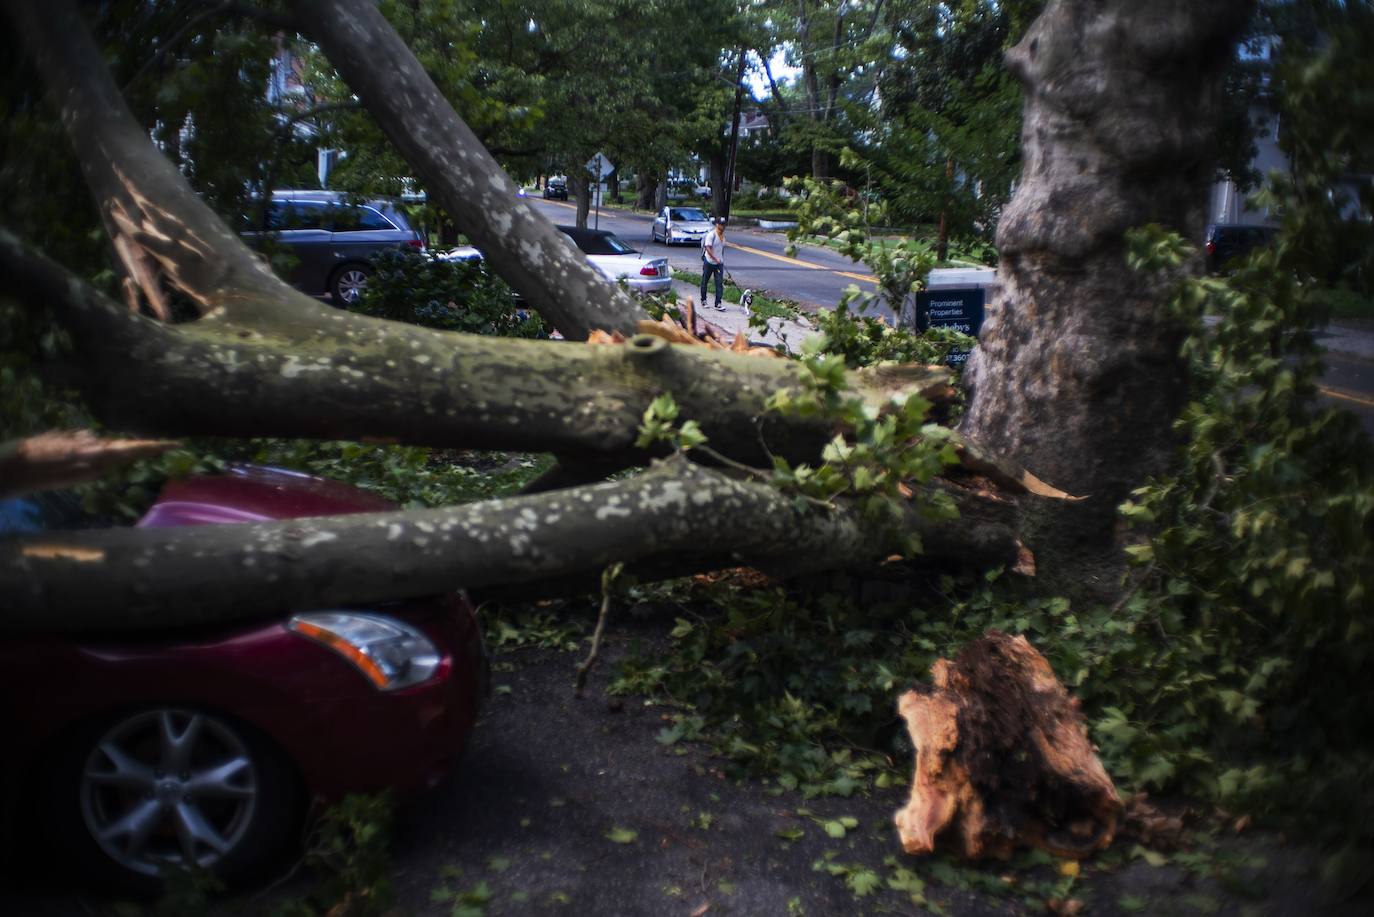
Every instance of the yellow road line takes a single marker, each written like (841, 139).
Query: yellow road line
(867, 278)
(783, 258)
(1347, 396)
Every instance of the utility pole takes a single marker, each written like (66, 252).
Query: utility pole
(734, 133)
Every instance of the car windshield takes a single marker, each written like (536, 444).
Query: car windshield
(686, 214)
(602, 245)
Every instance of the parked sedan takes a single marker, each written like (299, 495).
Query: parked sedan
(680, 224)
(618, 261)
(332, 239)
(140, 754)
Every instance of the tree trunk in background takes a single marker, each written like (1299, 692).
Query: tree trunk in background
(942, 239)
(820, 163)
(580, 187)
(645, 186)
(717, 173)
(1078, 373)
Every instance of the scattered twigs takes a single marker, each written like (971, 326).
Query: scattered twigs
(608, 578)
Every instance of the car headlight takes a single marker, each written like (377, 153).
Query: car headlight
(390, 653)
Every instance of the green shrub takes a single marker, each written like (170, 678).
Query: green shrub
(421, 288)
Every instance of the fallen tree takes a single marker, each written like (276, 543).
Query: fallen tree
(265, 360)
(664, 522)
(261, 359)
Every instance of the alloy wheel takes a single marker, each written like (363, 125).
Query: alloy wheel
(350, 285)
(169, 788)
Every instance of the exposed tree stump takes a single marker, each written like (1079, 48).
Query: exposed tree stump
(1003, 759)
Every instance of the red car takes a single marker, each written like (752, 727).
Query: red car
(144, 754)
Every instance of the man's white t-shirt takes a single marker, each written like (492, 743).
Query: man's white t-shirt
(713, 247)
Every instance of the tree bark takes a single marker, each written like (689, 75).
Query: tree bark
(313, 371)
(667, 519)
(1078, 374)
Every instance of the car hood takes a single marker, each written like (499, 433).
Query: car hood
(250, 493)
(691, 225)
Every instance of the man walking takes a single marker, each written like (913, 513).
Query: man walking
(713, 260)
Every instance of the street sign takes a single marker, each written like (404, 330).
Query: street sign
(600, 166)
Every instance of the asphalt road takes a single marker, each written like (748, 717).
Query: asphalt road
(755, 260)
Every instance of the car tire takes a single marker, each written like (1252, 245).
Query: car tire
(347, 284)
(230, 803)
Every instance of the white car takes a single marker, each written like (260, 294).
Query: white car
(608, 254)
(680, 224)
(618, 261)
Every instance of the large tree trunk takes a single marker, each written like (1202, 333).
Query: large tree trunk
(1078, 373)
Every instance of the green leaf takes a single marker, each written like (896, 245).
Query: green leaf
(618, 835)
(863, 882)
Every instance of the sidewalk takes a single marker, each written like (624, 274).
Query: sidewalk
(733, 318)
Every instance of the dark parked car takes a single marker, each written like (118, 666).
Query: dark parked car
(332, 239)
(135, 755)
(556, 188)
(1227, 242)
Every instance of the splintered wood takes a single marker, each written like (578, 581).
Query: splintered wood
(1002, 759)
(703, 334)
(61, 458)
